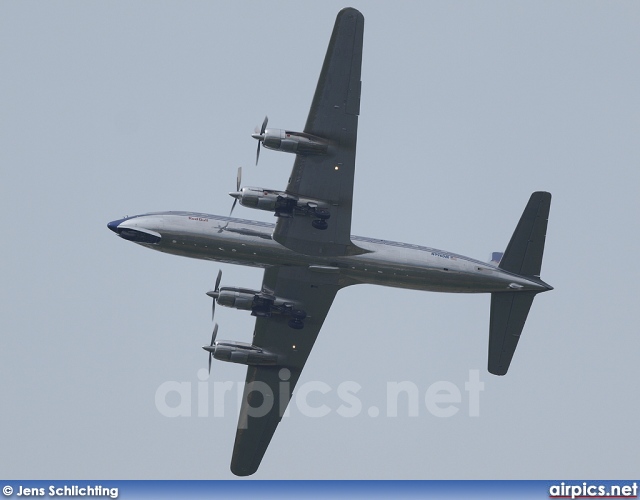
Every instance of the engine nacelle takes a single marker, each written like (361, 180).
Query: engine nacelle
(236, 297)
(244, 354)
(281, 203)
(294, 142)
(261, 305)
(261, 199)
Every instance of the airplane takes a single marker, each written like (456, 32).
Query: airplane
(309, 254)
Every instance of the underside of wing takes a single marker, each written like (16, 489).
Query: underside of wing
(268, 389)
(267, 392)
(327, 179)
(336, 102)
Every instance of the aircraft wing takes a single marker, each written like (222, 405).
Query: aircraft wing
(268, 388)
(334, 117)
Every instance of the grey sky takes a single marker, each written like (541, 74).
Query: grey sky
(117, 108)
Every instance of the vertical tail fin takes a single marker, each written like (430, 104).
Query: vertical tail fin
(523, 256)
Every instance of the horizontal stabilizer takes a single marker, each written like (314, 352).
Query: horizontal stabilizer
(496, 257)
(523, 255)
(508, 313)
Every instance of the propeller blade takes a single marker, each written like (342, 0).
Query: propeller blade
(264, 125)
(213, 339)
(214, 296)
(238, 183)
(232, 207)
(260, 136)
(214, 334)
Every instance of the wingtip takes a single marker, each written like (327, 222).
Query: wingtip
(350, 10)
(241, 471)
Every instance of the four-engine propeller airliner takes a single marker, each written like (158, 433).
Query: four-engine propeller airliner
(310, 254)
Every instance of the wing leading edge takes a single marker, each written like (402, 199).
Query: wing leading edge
(333, 116)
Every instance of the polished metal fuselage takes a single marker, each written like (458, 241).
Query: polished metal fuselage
(387, 263)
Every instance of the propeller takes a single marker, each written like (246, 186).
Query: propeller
(213, 339)
(260, 136)
(235, 194)
(215, 293)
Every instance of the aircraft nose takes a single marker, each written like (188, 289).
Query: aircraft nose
(113, 225)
